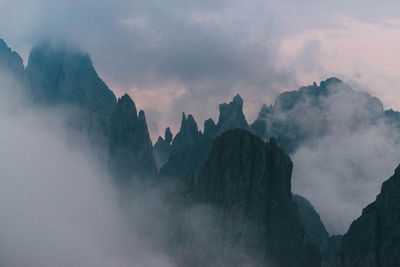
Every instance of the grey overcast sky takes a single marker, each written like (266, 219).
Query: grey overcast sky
(180, 55)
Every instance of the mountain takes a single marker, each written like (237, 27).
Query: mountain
(374, 238)
(188, 151)
(162, 148)
(315, 231)
(130, 148)
(190, 147)
(62, 76)
(249, 181)
(303, 116)
(231, 117)
(12, 73)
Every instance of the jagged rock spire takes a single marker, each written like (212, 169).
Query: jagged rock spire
(10, 60)
(249, 182)
(130, 150)
(60, 75)
(162, 148)
(188, 151)
(231, 115)
(12, 73)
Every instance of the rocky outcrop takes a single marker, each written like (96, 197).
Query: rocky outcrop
(315, 231)
(61, 76)
(259, 126)
(374, 238)
(188, 151)
(162, 148)
(190, 147)
(210, 128)
(303, 116)
(130, 149)
(12, 73)
(10, 60)
(249, 181)
(231, 117)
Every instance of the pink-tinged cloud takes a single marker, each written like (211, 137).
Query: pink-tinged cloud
(361, 52)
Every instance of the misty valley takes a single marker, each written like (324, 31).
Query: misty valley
(312, 181)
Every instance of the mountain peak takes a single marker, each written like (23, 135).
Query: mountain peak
(238, 100)
(231, 115)
(168, 135)
(331, 80)
(130, 150)
(62, 74)
(188, 123)
(10, 60)
(249, 181)
(125, 98)
(3, 44)
(126, 103)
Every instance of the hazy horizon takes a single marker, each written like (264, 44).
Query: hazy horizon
(190, 57)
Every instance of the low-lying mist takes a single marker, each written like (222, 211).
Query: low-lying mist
(342, 171)
(59, 206)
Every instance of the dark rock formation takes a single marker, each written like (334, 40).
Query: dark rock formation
(10, 60)
(249, 181)
(259, 126)
(188, 151)
(374, 238)
(210, 128)
(315, 231)
(303, 116)
(61, 76)
(190, 146)
(162, 148)
(131, 151)
(330, 249)
(392, 117)
(12, 74)
(231, 116)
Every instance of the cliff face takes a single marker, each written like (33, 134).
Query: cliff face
(162, 148)
(250, 182)
(60, 76)
(190, 147)
(130, 150)
(12, 73)
(188, 151)
(10, 60)
(374, 238)
(315, 231)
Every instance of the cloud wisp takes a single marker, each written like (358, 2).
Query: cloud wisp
(341, 171)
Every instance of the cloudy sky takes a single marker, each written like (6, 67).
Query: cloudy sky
(180, 55)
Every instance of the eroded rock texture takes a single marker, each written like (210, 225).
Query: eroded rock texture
(373, 239)
(190, 147)
(12, 73)
(64, 77)
(249, 181)
(131, 151)
(315, 231)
